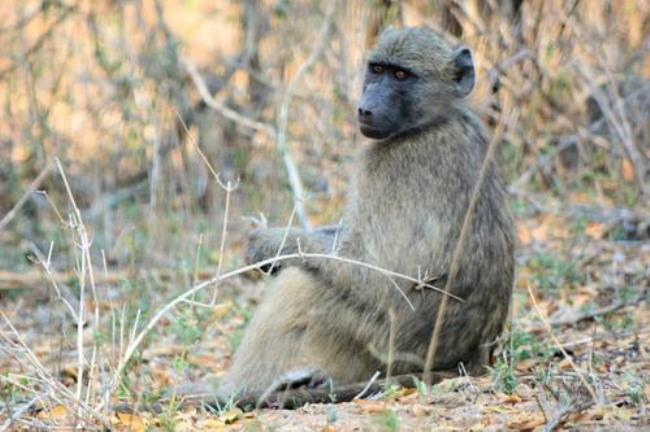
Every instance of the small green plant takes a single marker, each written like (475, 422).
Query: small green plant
(8, 391)
(124, 389)
(185, 329)
(387, 421)
(167, 421)
(390, 391)
(544, 375)
(552, 272)
(503, 375)
(331, 415)
(635, 386)
(524, 345)
(422, 388)
(220, 409)
(180, 365)
(616, 323)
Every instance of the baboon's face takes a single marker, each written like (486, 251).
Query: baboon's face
(413, 76)
(386, 104)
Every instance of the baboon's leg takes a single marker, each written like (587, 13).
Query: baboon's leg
(272, 346)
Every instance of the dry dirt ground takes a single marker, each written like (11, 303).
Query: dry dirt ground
(576, 356)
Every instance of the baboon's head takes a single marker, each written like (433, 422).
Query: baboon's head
(412, 81)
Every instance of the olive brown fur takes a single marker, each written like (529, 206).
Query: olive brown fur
(326, 319)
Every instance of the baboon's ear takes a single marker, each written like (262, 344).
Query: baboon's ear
(463, 71)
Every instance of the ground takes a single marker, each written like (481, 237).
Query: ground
(576, 353)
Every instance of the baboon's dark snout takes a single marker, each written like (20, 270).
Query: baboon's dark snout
(364, 114)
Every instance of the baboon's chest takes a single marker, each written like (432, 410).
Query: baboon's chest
(400, 231)
(401, 207)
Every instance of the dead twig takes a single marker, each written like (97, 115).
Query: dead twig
(35, 184)
(283, 118)
(12, 417)
(558, 416)
(618, 124)
(364, 391)
(228, 113)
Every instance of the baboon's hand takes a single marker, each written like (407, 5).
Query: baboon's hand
(254, 247)
(263, 244)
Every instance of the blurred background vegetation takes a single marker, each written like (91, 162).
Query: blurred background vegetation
(106, 87)
(140, 100)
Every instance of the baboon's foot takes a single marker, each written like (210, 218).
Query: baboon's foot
(306, 378)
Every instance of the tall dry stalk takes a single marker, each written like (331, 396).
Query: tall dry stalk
(460, 245)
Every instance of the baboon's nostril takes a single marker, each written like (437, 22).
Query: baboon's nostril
(363, 113)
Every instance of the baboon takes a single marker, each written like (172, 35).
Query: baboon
(325, 319)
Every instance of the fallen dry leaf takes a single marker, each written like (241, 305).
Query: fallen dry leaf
(627, 169)
(526, 421)
(221, 310)
(55, 414)
(524, 235)
(526, 365)
(565, 364)
(595, 230)
(230, 417)
(509, 398)
(371, 407)
(211, 425)
(405, 392)
(420, 410)
(128, 422)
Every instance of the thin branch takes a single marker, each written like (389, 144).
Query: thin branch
(86, 270)
(12, 417)
(228, 113)
(54, 386)
(562, 410)
(35, 184)
(229, 188)
(283, 119)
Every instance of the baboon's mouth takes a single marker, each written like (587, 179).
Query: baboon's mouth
(370, 131)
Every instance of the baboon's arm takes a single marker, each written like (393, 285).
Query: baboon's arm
(265, 243)
(341, 242)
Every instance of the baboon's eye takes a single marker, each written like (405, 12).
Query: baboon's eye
(401, 75)
(377, 69)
